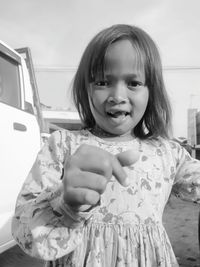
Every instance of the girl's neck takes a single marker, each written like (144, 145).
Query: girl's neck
(99, 132)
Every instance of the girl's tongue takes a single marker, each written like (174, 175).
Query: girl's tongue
(118, 116)
(118, 113)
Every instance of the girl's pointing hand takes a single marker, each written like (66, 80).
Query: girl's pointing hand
(87, 172)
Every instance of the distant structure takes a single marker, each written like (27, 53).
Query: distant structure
(194, 131)
(57, 119)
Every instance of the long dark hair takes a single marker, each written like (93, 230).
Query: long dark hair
(156, 120)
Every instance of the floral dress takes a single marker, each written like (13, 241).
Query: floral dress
(125, 228)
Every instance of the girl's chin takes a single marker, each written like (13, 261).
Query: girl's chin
(120, 125)
(117, 131)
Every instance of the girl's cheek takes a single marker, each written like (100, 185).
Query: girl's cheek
(100, 97)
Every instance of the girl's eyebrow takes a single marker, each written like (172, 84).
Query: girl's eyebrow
(124, 76)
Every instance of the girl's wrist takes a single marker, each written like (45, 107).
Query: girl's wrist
(79, 215)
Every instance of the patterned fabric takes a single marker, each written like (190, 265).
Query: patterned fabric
(126, 228)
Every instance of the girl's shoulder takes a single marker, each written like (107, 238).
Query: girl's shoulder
(160, 142)
(68, 138)
(163, 144)
(63, 142)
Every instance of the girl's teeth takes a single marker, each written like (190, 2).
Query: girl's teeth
(117, 113)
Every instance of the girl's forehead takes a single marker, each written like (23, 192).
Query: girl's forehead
(122, 57)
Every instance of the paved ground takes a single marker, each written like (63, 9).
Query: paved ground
(181, 222)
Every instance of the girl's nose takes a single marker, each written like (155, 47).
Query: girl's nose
(118, 94)
(117, 100)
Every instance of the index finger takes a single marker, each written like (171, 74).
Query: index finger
(128, 157)
(125, 158)
(119, 172)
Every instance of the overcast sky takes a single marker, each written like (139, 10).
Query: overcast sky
(57, 31)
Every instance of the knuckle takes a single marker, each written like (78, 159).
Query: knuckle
(70, 175)
(101, 184)
(105, 163)
(86, 198)
(91, 198)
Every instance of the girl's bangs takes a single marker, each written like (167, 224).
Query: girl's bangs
(97, 68)
(139, 59)
(101, 64)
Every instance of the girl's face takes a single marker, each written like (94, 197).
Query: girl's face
(118, 101)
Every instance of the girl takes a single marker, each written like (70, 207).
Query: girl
(95, 197)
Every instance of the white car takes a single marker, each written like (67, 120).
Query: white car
(20, 137)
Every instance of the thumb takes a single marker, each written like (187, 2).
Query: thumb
(128, 157)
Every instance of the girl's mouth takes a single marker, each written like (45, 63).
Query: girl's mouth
(117, 114)
(117, 117)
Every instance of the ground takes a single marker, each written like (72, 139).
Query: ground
(180, 220)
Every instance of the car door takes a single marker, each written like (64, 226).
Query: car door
(19, 136)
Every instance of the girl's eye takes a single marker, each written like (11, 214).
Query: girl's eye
(101, 83)
(134, 84)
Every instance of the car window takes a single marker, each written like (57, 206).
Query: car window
(9, 81)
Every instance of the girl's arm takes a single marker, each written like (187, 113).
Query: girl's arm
(187, 179)
(43, 225)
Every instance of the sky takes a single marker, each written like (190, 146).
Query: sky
(57, 33)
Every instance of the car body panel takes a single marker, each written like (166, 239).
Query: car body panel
(20, 138)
